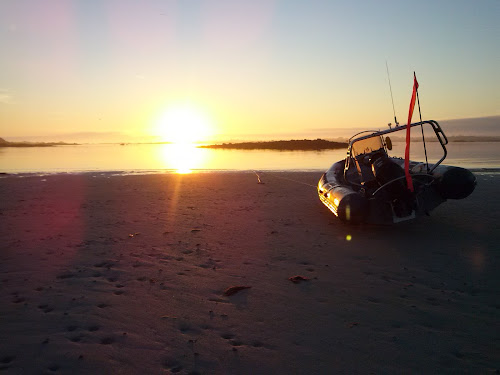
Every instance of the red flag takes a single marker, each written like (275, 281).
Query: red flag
(409, 181)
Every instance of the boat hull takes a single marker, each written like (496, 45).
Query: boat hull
(358, 204)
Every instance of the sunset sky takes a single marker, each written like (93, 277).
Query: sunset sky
(229, 69)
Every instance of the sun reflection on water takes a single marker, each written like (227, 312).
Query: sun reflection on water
(183, 157)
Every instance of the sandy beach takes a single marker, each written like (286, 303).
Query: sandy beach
(130, 275)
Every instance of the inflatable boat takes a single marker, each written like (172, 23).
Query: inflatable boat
(371, 186)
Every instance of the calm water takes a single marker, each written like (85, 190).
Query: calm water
(150, 158)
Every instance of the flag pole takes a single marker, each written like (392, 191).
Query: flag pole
(422, 128)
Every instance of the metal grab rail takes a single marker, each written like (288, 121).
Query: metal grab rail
(443, 140)
(400, 178)
(439, 132)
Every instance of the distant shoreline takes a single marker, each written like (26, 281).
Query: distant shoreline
(4, 143)
(281, 145)
(455, 139)
(292, 145)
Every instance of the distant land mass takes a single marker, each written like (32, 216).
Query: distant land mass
(477, 129)
(452, 138)
(472, 138)
(4, 143)
(292, 145)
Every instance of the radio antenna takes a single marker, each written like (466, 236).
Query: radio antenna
(392, 99)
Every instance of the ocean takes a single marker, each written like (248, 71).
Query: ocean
(160, 158)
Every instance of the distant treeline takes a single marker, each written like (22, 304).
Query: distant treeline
(4, 143)
(453, 138)
(473, 138)
(292, 145)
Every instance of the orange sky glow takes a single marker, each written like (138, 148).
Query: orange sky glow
(215, 71)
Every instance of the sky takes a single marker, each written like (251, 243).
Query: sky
(106, 70)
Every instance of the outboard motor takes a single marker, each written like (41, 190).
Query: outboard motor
(385, 170)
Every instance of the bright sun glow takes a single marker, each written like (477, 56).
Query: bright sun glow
(183, 125)
(183, 158)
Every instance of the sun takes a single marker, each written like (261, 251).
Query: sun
(183, 125)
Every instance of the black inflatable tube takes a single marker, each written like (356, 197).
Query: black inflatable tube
(456, 183)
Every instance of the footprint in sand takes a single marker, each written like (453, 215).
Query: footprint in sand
(45, 308)
(54, 367)
(173, 365)
(76, 338)
(184, 327)
(65, 276)
(433, 301)
(6, 361)
(93, 328)
(257, 344)
(227, 336)
(107, 340)
(18, 300)
(106, 264)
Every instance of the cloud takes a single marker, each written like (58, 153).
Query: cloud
(5, 96)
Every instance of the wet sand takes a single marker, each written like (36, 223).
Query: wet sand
(130, 275)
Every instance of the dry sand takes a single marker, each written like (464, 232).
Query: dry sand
(127, 274)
